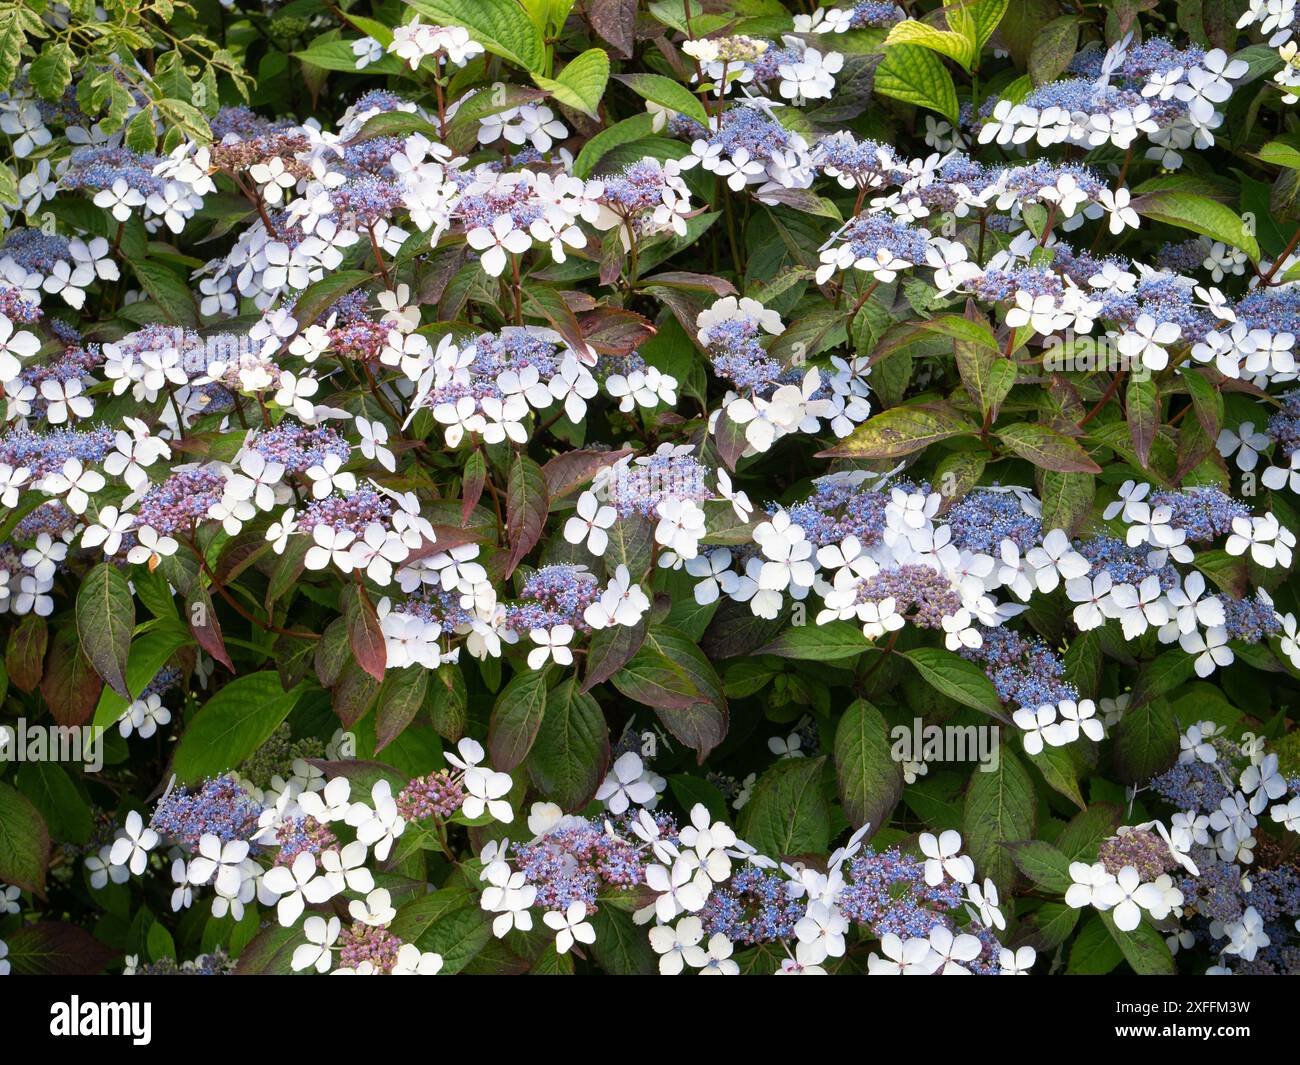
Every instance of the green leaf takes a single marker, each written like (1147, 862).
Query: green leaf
(1200, 214)
(27, 501)
(631, 543)
(400, 697)
(688, 17)
(701, 726)
(581, 84)
(11, 49)
(621, 947)
(1206, 399)
(672, 675)
(1146, 742)
(570, 754)
(331, 653)
(159, 943)
(24, 842)
(985, 16)
(9, 196)
(915, 75)
(1284, 151)
(1000, 808)
(395, 124)
(500, 26)
(957, 473)
(1054, 47)
(819, 643)
(1228, 572)
(149, 653)
(1020, 27)
(900, 431)
(1042, 863)
(1067, 499)
(953, 676)
(53, 948)
(1115, 435)
(1080, 839)
(653, 678)
(140, 133)
(516, 718)
(337, 55)
(448, 701)
(628, 131)
(988, 377)
(550, 962)
(1095, 952)
(371, 28)
(105, 618)
(353, 694)
(458, 936)
(870, 778)
(1161, 676)
(690, 791)
(788, 813)
(1058, 769)
(172, 295)
(232, 725)
(270, 952)
(1046, 448)
(51, 790)
(666, 93)
(418, 916)
(286, 569)
(170, 77)
(1083, 659)
(178, 114)
(462, 130)
(611, 648)
(1048, 926)
(320, 295)
(1142, 408)
(694, 23)
(550, 15)
(963, 330)
(1143, 948)
(51, 71)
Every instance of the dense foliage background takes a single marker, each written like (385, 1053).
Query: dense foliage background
(603, 486)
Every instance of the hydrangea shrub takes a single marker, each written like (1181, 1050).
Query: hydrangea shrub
(535, 486)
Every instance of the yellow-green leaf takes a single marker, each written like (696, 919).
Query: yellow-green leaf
(955, 46)
(581, 83)
(917, 76)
